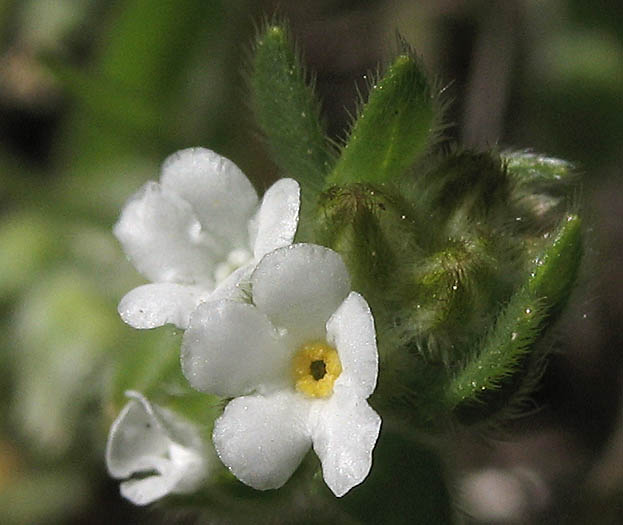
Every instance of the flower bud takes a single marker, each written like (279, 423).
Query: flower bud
(371, 229)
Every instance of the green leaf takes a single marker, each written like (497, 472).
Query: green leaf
(288, 111)
(557, 269)
(451, 292)
(393, 129)
(501, 351)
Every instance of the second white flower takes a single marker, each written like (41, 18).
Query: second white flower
(200, 228)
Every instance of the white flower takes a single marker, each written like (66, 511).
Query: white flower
(163, 450)
(200, 227)
(300, 361)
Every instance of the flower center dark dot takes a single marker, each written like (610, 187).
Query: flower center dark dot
(318, 369)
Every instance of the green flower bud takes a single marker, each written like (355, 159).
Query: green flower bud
(542, 186)
(540, 173)
(371, 229)
(464, 188)
(450, 293)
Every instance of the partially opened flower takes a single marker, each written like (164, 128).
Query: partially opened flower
(301, 360)
(201, 227)
(155, 451)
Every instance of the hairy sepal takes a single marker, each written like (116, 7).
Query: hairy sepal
(288, 110)
(394, 128)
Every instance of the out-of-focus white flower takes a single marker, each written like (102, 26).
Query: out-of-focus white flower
(155, 451)
(301, 360)
(496, 495)
(199, 228)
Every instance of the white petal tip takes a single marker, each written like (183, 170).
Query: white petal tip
(277, 218)
(153, 305)
(344, 442)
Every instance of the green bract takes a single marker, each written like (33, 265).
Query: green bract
(393, 129)
(288, 113)
(287, 110)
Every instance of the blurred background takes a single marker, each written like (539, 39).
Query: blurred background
(94, 94)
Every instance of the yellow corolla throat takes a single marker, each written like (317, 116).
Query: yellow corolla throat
(316, 366)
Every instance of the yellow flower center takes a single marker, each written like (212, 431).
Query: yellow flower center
(316, 366)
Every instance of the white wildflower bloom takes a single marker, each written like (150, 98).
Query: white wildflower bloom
(156, 451)
(301, 361)
(201, 227)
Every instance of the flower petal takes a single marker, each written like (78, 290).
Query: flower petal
(162, 237)
(277, 217)
(151, 488)
(299, 287)
(351, 331)
(262, 439)
(191, 462)
(181, 472)
(344, 435)
(231, 349)
(135, 435)
(220, 194)
(157, 304)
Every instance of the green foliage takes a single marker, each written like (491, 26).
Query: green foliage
(466, 267)
(528, 314)
(28, 243)
(125, 97)
(288, 112)
(501, 351)
(556, 270)
(138, 55)
(450, 292)
(393, 129)
(129, 105)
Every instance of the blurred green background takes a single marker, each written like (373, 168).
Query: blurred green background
(94, 94)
